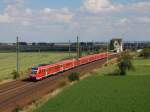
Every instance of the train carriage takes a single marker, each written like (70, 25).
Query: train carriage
(52, 69)
(83, 60)
(67, 64)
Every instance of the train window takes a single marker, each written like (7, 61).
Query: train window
(33, 72)
(57, 67)
(34, 68)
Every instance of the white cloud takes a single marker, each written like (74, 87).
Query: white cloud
(56, 15)
(96, 6)
(17, 3)
(5, 19)
(12, 11)
(28, 12)
(25, 23)
(124, 21)
(15, 12)
(46, 11)
(139, 7)
(99, 6)
(144, 19)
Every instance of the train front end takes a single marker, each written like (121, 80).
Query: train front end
(33, 73)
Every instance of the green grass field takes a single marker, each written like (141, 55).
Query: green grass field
(27, 60)
(101, 93)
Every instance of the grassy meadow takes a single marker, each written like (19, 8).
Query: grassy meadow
(103, 93)
(27, 60)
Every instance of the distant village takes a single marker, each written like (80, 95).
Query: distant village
(64, 46)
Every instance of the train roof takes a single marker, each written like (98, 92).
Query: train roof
(42, 66)
(54, 64)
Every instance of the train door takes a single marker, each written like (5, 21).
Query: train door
(46, 74)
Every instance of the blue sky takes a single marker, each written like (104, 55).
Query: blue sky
(54, 3)
(63, 20)
(37, 4)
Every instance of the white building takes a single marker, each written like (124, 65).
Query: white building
(116, 45)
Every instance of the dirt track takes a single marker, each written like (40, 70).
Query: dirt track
(21, 93)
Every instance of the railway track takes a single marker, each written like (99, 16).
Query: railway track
(21, 93)
(11, 85)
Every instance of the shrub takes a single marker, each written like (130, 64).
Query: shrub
(17, 109)
(113, 73)
(50, 62)
(125, 62)
(73, 76)
(15, 74)
(88, 52)
(62, 83)
(145, 53)
(97, 51)
(94, 72)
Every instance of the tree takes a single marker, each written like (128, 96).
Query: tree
(145, 53)
(125, 62)
(74, 76)
(15, 74)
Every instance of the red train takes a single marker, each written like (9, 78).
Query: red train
(43, 71)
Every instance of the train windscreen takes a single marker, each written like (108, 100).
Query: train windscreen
(33, 72)
(34, 68)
